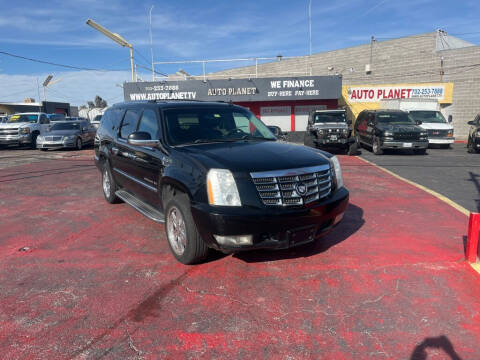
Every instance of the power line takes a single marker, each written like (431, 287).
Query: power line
(54, 64)
(150, 69)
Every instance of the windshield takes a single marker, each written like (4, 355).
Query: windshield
(202, 125)
(428, 116)
(31, 118)
(65, 126)
(394, 118)
(329, 117)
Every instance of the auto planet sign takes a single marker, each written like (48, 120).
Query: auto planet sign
(378, 93)
(237, 90)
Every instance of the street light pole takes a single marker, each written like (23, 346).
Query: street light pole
(151, 43)
(115, 37)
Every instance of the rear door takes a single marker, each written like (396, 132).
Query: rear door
(147, 161)
(123, 153)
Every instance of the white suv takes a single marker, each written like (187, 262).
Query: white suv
(23, 129)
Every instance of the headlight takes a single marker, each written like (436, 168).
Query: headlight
(222, 189)
(450, 132)
(39, 138)
(337, 171)
(320, 131)
(70, 137)
(388, 133)
(423, 134)
(25, 130)
(345, 131)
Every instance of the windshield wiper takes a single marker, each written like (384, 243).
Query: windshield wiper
(251, 137)
(204, 141)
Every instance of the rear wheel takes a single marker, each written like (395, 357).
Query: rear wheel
(108, 185)
(376, 147)
(183, 238)
(471, 146)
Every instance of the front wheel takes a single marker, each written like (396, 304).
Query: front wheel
(376, 147)
(33, 145)
(78, 144)
(352, 149)
(183, 238)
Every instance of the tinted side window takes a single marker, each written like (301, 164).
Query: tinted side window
(149, 123)
(129, 123)
(44, 119)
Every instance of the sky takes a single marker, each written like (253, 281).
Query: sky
(55, 31)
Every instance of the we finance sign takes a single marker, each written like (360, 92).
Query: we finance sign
(378, 93)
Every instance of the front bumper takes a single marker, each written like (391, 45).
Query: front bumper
(395, 144)
(341, 142)
(271, 227)
(55, 144)
(445, 140)
(15, 139)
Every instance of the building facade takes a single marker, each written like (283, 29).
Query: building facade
(428, 61)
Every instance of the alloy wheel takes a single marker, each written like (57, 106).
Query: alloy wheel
(176, 231)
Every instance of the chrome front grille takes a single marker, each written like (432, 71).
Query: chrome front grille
(293, 186)
(437, 133)
(406, 136)
(53, 138)
(11, 131)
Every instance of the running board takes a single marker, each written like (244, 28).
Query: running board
(144, 208)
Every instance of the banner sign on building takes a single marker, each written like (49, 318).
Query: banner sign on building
(238, 90)
(375, 93)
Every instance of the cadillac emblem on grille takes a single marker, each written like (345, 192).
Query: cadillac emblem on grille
(301, 189)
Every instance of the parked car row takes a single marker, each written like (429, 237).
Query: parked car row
(380, 130)
(46, 131)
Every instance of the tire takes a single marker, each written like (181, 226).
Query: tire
(109, 186)
(376, 149)
(184, 241)
(352, 149)
(308, 141)
(420, 151)
(78, 144)
(471, 147)
(33, 145)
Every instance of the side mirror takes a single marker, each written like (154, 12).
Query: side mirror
(450, 119)
(284, 133)
(471, 122)
(142, 138)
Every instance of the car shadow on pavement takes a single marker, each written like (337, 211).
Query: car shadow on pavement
(441, 343)
(351, 223)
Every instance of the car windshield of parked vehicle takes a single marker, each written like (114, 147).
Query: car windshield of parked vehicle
(204, 125)
(65, 126)
(30, 118)
(428, 116)
(394, 118)
(333, 117)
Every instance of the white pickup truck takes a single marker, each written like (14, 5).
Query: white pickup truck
(426, 113)
(23, 129)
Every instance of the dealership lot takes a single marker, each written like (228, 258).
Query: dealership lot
(453, 172)
(81, 278)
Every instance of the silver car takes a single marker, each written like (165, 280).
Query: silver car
(67, 134)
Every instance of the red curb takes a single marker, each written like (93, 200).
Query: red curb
(472, 238)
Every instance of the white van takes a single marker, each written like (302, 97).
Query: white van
(426, 113)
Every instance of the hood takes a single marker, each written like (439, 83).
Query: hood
(253, 156)
(436, 126)
(399, 127)
(62, 132)
(331, 125)
(14, 125)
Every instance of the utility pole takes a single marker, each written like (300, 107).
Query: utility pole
(310, 33)
(151, 44)
(441, 69)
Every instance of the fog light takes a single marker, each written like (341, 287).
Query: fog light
(338, 218)
(234, 240)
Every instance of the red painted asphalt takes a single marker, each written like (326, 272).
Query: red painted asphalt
(97, 280)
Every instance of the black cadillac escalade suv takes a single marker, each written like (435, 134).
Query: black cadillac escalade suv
(390, 129)
(217, 177)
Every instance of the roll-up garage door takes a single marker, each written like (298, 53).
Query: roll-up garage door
(301, 115)
(277, 115)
